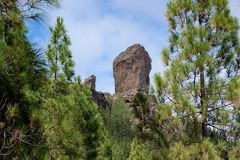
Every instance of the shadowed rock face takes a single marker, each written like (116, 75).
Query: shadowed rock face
(131, 70)
(91, 81)
(98, 97)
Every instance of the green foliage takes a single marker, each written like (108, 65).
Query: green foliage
(21, 71)
(118, 119)
(233, 93)
(68, 118)
(72, 126)
(152, 124)
(44, 114)
(141, 112)
(36, 120)
(234, 154)
(59, 55)
(119, 126)
(200, 86)
(204, 150)
(198, 94)
(138, 151)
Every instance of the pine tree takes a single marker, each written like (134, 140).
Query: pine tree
(71, 125)
(69, 119)
(203, 62)
(59, 55)
(21, 72)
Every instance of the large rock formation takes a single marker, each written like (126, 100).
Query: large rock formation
(98, 97)
(91, 81)
(131, 70)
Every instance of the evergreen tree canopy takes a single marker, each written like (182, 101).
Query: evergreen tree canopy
(71, 125)
(203, 62)
(59, 55)
(68, 118)
(21, 72)
(46, 113)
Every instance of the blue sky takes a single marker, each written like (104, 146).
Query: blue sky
(101, 29)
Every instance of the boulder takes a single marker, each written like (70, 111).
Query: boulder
(131, 71)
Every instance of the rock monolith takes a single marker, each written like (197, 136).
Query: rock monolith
(131, 70)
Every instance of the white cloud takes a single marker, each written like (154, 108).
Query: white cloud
(151, 9)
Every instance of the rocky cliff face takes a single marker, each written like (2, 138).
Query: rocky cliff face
(131, 71)
(91, 81)
(98, 97)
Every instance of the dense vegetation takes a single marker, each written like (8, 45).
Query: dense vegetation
(46, 113)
